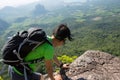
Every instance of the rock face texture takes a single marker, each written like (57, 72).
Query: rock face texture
(95, 65)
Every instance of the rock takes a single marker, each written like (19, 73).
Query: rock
(95, 65)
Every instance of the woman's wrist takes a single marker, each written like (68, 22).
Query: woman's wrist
(61, 65)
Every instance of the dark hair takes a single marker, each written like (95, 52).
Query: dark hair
(62, 32)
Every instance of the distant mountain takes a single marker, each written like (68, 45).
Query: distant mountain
(9, 12)
(39, 9)
(33, 9)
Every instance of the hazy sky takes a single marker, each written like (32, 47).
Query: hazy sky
(15, 2)
(22, 2)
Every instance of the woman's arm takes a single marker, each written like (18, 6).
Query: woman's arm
(48, 64)
(56, 61)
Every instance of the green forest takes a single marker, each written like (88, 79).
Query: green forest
(95, 25)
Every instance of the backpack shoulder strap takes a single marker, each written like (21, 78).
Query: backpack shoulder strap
(49, 42)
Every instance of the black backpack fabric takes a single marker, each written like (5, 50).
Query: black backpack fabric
(17, 48)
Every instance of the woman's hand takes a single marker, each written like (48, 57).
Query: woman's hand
(66, 66)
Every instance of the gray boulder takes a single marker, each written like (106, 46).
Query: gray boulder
(95, 65)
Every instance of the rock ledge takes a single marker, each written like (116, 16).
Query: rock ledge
(95, 65)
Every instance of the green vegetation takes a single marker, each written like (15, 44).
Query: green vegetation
(67, 59)
(1, 78)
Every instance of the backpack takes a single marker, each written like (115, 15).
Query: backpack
(22, 43)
